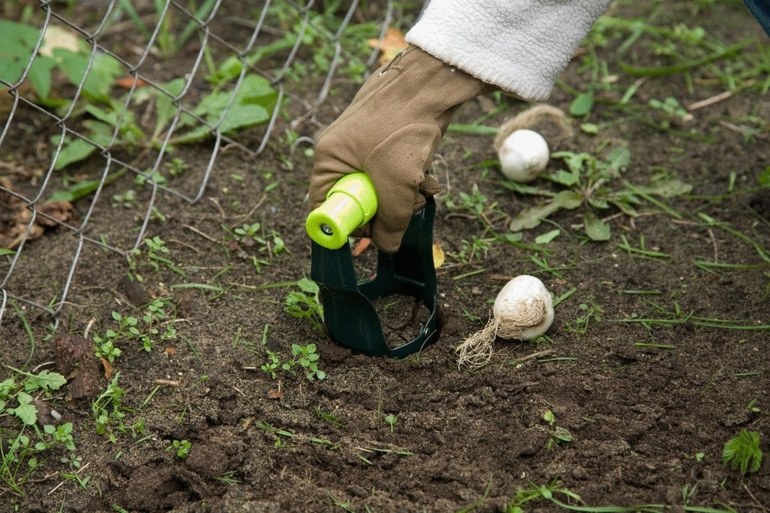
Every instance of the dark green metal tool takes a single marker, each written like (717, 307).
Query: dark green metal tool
(350, 316)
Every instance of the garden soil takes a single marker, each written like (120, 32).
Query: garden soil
(649, 407)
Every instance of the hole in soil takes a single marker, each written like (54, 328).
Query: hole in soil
(402, 318)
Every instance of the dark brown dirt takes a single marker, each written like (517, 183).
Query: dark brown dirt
(649, 409)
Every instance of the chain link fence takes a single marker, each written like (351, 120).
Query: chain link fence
(92, 91)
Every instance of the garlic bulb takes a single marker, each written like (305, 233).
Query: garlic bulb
(523, 155)
(524, 309)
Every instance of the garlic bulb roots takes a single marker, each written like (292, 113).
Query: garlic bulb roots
(523, 310)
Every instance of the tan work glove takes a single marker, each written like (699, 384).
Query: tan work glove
(390, 131)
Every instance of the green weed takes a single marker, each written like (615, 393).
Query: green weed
(305, 303)
(109, 413)
(151, 327)
(306, 357)
(743, 452)
(557, 434)
(589, 313)
(391, 420)
(19, 454)
(587, 183)
(182, 448)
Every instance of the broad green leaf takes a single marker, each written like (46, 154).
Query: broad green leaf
(243, 116)
(547, 237)
(569, 200)
(256, 89)
(619, 158)
(11, 68)
(73, 151)
(598, 203)
(46, 380)
(582, 104)
(526, 189)
(563, 177)
(576, 162)
(562, 434)
(533, 216)
(101, 74)
(667, 189)
(596, 229)
(228, 70)
(624, 205)
(26, 412)
(40, 76)
(165, 105)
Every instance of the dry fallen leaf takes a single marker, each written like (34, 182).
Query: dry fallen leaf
(438, 255)
(128, 82)
(16, 226)
(108, 369)
(390, 46)
(59, 37)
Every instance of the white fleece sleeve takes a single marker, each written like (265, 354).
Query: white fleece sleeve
(520, 46)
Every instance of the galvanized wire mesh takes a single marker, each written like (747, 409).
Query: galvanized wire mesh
(132, 33)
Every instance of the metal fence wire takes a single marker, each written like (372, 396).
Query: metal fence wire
(118, 55)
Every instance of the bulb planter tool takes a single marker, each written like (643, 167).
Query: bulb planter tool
(349, 312)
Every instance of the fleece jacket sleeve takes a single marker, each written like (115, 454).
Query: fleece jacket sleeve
(520, 46)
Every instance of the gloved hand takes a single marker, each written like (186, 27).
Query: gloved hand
(391, 130)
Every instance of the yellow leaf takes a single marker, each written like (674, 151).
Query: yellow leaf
(438, 255)
(390, 46)
(59, 37)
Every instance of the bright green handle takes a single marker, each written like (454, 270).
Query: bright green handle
(350, 204)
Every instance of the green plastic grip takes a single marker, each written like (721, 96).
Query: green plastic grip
(350, 204)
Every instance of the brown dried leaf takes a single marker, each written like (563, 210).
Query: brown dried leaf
(390, 46)
(61, 211)
(438, 255)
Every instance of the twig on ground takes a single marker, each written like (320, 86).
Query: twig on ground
(251, 212)
(709, 101)
(192, 228)
(168, 382)
(536, 355)
(221, 211)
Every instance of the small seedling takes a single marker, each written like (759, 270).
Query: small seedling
(308, 358)
(743, 452)
(558, 433)
(125, 199)
(543, 492)
(61, 434)
(247, 233)
(305, 304)
(182, 448)
(589, 313)
(273, 364)
(72, 460)
(109, 413)
(19, 455)
(176, 167)
(391, 420)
